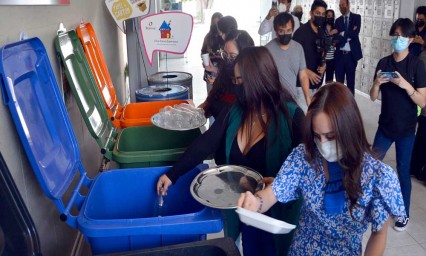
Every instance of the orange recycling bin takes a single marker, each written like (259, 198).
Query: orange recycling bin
(133, 114)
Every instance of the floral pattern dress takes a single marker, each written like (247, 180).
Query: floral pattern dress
(322, 234)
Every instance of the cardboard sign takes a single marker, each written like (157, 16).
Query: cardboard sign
(166, 32)
(122, 10)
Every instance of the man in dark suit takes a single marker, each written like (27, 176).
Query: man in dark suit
(348, 50)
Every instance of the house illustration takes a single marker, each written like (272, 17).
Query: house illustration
(165, 30)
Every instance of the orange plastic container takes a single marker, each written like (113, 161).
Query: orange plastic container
(133, 114)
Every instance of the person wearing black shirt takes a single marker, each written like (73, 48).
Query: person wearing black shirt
(401, 92)
(309, 35)
(416, 46)
(259, 132)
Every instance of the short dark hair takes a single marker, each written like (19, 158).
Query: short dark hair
(407, 27)
(421, 10)
(282, 19)
(226, 24)
(318, 3)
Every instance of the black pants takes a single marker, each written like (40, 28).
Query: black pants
(329, 72)
(345, 66)
(418, 158)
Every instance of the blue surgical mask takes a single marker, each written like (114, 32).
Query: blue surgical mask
(400, 43)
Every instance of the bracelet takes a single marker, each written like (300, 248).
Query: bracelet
(261, 202)
(412, 93)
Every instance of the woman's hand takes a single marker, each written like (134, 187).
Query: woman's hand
(267, 181)
(248, 201)
(211, 68)
(321, 69)
(163, 184)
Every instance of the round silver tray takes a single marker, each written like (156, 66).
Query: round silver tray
(221, 186)
(154, 122)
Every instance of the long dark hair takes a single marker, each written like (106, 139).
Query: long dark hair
(338, 103)
(262, 88)
(213, 25)
(223, 82)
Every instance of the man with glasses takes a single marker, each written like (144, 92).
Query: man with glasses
(289, 58)
(416, 45)
(267, 25)
(402, 87)
(308, 35)
(348, 51)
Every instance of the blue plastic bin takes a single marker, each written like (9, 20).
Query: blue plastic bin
(116, 211)
(162, 92)
(122, 213)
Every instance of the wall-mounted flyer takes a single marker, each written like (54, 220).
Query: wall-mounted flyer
(166, 32)
(122, 10)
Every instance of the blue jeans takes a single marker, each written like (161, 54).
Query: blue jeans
(404, 149)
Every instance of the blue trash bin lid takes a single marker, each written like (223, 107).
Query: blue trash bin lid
(162, 91)
(170, 77)
(31, 92)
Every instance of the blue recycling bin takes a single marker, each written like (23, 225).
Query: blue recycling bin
(160, 92)
(116, 210)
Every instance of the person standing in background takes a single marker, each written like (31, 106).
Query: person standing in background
(224, 26)
(289, 58)
(416, 45)
(309, 35)
(329, 56)
(213, 45)
(298, 12)
(267, 25)
(401, 93)
(348, 52)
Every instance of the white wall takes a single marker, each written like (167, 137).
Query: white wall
(42, 21)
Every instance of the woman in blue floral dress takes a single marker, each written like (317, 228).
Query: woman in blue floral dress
(344, 188)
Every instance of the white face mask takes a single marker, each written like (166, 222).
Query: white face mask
(328, 150)
(282, 8)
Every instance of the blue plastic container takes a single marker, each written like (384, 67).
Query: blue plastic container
(117, 210)
(122, 213)
(162, 92)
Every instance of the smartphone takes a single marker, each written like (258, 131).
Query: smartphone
(274, 4)
(389, 75)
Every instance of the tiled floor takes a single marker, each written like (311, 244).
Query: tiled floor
(410, 242)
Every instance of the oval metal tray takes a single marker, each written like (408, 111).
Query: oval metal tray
(221, 186)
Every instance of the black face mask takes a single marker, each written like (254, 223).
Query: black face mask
(284, 39)
(298, 15)
(319, 21)
(420, 23)
(240, 95)
(330, 21)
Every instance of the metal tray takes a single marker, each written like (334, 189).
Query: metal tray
(220, 187)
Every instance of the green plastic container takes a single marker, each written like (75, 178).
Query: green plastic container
(159, 147)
